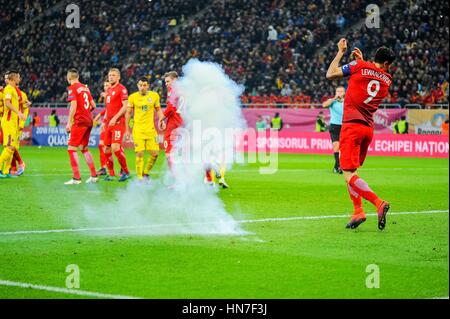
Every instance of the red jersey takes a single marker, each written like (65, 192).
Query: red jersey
(367, 87)
(114, 102)
(172, 111)
(82, 95)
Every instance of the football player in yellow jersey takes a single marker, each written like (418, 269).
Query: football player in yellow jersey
(10, 122)
(17, 164)
(144, 103)
(1, 113)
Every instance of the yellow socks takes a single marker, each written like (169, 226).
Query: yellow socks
(5, 160)
(150, 163)
(139, 166)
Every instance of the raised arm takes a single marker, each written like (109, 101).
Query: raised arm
(328, 102)
(334, 70)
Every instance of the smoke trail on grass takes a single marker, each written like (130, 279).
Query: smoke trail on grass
(210, 106)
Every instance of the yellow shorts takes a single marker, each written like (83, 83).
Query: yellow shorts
(10, 134)
(145, 143)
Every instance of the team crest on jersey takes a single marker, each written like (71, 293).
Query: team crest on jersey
(149, 100)
(114, 93)
(353, 63)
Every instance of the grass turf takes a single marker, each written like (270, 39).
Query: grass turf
(316, 258)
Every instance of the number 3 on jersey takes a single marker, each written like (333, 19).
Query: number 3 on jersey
(372, 90)
(86, 100)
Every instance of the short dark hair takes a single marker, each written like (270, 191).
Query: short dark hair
(143, 79)
(384, 54)
(73, 72)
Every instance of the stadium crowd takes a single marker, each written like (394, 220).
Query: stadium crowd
(278, 49)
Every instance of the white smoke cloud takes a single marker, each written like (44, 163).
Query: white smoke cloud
(211, 110)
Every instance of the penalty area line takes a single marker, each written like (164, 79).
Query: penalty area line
(64, 290)
(248, 221)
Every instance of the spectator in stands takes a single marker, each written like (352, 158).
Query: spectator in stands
(261, 44)
(261, 124)
(276, 123)
(273, 34)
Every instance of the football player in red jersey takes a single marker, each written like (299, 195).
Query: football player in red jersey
(98, 118)
(116, 104)
(171, 115)
(79, 125)
(368, 85)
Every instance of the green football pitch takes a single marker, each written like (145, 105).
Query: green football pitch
(296, 245)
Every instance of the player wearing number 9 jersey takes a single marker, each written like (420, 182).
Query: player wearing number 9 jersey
(79, 126)
(367, 87)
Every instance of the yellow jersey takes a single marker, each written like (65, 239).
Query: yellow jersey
(1, 104)
(23, 108)
(144, 107)
(10, 117)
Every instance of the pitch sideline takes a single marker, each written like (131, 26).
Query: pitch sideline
(248, 221)
(64, 290)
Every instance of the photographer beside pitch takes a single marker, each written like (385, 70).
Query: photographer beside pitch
(368, 85)
(336, 105)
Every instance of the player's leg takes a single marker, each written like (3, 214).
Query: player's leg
(222, 181)
(153, 147)
(208, 175)
(88, 156)
(363, 189)
(103, 160)
(9, 140)
(108, 155)
(118, 151)
(20, 167)
(168, 149)
(139, 148)
(335, 134)
(75, 139)
(350, 144)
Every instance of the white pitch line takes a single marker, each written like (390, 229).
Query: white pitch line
(263, 220)
(64, 290)
(287, 170)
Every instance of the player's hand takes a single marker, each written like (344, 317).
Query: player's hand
(28, 103)
(162, 125)
(68, 127)
(22, 117)
(112, 122)
(342, 45)
(357, 54)
(127, 135)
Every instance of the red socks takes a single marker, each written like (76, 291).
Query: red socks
(110, 164)
(103, 159)
(74, 163)
(356, 199)
(208, 175)
(122, 160)
(363, 190)
(90, 161)
(17, 157)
